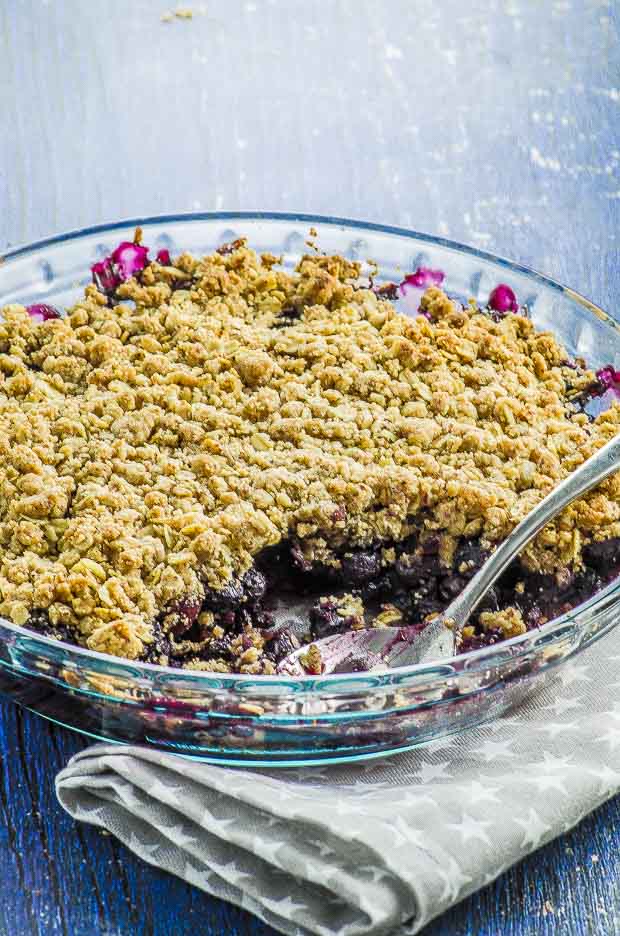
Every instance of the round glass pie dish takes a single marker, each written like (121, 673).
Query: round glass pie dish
(275, 719)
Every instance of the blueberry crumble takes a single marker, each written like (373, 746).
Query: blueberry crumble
(198, 437)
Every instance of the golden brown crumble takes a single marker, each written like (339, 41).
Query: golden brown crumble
(509, 621)
(147, 451)
(349, 607)
(312, 660)
(389, 616)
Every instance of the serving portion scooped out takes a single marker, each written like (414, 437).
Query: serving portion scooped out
(198, 437)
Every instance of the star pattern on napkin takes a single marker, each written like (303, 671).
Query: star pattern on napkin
(431, 772)
(476, 792)
(492, 750)
(575, 672)
(609, 778)
(440, 821)
(415, 800)
(470, 828)
(552, 762)
(611, 737)
(284, 907)
(547, 782)
(563, 704)
(453, 879)
(181, 835)
(404, 834)
(325, 851)
(553, 729)
(533, 826)
(614, 712)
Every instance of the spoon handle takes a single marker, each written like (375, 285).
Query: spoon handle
(598, 467)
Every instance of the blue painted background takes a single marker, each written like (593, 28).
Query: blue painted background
(494, 122)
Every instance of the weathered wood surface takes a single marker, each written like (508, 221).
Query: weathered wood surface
(494, 123)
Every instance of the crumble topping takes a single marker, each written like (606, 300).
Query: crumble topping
(509, 621)
(348, 607)
(154, 447)
(312, 660)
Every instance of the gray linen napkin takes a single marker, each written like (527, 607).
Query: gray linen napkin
(377, 848)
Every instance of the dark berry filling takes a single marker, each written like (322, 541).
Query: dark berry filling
(409, 577)
(283, 643)
(411, 580)
(287, 316)
(414, 580)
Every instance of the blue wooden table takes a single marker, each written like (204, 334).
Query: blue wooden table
(493, 122)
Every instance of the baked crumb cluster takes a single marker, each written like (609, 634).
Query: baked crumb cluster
(154, 446)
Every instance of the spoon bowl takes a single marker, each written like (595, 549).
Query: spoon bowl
(376, 649)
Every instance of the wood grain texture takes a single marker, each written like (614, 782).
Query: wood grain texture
(61, 879)
(493, 122)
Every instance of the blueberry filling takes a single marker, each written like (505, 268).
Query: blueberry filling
(348, 586)
(220, 627)
(287, 316)
(281, 645)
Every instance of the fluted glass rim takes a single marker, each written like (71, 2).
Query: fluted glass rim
(473, 661)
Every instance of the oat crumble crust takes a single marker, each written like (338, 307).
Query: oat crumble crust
(148, 451)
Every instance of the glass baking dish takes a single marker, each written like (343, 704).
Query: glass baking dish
(271, 720)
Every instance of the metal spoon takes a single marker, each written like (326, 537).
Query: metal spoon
(384, 647)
